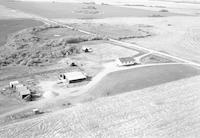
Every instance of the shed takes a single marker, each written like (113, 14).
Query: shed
(23, 91)
(13, 84)
(72, 77)
(125, 61)
(87, 49)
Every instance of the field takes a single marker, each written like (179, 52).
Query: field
(152, 59)
(8, 104)
(105, 52)
(173, 37)
(168, 110)
(178, 36)
(6, 13)
(118, 31)
(11, 26)
(80, 11)
(139, 78)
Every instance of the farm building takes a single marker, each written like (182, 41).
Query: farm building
(23, 91)
(13, 84)
(87, 49)
(125, 61)
(72, 77)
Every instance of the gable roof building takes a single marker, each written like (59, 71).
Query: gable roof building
(73, 76)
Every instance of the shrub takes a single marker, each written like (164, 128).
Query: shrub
(163, 10)
(76, 40)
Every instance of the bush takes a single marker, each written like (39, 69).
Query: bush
(90, 7)
(76, 40)
(163, 10)
(27, 48)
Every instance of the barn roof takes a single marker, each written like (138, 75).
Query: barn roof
(76, 75)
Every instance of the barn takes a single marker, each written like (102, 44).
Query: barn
(23, 91)
(72, 77)
(125, 61)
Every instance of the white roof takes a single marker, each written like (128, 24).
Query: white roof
(14, 82)
(74, 75)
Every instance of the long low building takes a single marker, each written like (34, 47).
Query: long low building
(72, 77)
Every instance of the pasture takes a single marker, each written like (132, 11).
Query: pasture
(139, 78)
(9, 26)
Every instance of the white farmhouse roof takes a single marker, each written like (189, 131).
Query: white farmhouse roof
(74, 75)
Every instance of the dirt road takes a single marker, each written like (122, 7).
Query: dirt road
(125, 44)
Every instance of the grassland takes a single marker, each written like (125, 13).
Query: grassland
(6, 13)
(8, 103)
(152, 59)
(117, 31)
(139, 78)
(178, 36)
(10, 26)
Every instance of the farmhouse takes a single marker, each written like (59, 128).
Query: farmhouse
(125, 61)
(72, 77)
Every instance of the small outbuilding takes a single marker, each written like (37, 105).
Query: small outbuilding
(87, 49)
(72, 77)
(13, 84)
(125, 61)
